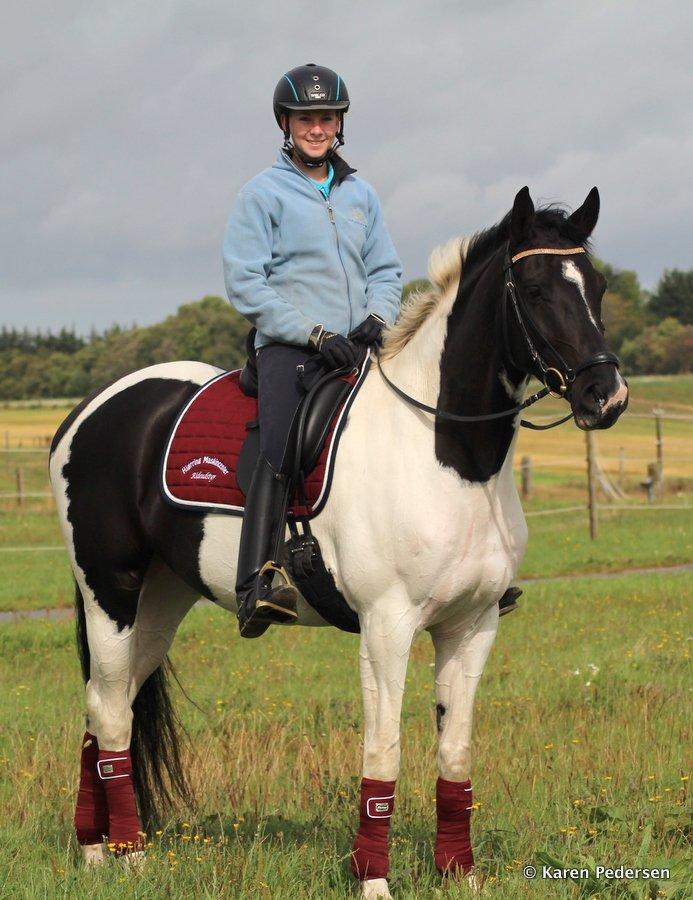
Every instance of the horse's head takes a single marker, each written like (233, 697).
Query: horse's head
(552, 315)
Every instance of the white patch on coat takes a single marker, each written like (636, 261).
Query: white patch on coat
(516, 393)
(573, 274)
(412, 545)
(218, 562)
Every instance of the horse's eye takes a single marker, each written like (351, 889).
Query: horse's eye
(533, 292)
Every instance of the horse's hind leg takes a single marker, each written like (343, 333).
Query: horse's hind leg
(122, 656)
(460, 658)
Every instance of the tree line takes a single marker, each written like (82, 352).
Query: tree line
(652, 333)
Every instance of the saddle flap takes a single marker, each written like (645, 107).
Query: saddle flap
(319, 419)
(210, 454)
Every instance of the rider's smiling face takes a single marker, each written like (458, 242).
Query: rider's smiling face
(313, 132)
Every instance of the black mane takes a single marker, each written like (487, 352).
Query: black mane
(551, 220)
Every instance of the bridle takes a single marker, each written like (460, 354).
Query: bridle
(558, 379)
(565, 375)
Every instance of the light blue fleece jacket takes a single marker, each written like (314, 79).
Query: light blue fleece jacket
(293, 259)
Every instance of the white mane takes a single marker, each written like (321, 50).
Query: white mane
(444, 271)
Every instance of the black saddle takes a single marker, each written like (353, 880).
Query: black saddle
(322, 400)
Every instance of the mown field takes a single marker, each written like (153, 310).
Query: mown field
(581, 728)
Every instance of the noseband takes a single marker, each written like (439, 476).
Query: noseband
(565, 375)
(560, 377)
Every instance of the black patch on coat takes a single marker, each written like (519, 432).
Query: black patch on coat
(470, 365)
(473, 355)
(440, 712)
(111, 478)
(72, 415)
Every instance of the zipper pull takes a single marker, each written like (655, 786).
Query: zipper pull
(330, 211)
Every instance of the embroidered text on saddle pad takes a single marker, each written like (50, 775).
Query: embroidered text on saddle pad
(200, 460)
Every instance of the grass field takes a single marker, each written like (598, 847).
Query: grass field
(579, 754)
(581, 721)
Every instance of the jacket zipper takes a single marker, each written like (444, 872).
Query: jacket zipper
(331, 217)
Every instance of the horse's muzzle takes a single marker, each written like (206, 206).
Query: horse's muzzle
(601, 398)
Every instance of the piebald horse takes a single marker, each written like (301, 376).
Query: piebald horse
(435, 546)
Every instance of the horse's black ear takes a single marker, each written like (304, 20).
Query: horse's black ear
(522, 216)
(580, 225)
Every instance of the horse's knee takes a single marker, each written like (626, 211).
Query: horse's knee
(454, 760)
(109, 716)
(381, 760)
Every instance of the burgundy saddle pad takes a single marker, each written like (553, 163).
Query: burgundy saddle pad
(200, 459)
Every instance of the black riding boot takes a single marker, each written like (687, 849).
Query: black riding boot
(262, 537)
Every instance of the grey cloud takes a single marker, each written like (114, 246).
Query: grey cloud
(128, 129)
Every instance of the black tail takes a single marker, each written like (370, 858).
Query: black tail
(155, 745)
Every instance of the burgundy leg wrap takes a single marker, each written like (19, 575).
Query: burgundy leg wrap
(453, 850)
(91, 812)
(115, 771)
(369, 855)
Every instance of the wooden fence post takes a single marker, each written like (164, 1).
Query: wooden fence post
(526, 470)
(659, 443)
(20, 486)
(650, 482)
(591, 485)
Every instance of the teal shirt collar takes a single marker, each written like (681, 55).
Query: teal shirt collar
(324, 186)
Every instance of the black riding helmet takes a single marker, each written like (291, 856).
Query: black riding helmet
(311, 87)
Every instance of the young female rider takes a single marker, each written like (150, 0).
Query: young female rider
(308, 260)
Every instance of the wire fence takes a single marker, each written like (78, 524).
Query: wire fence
(610, 477)
(609, 480)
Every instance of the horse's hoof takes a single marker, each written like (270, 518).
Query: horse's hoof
(93, 854)
(133, 862)
(375, 889)
(474, 882)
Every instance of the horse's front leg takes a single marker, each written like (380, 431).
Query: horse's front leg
(386, 638)
(460, 658)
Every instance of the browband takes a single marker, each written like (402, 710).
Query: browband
(554, 250)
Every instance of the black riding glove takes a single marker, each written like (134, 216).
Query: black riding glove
(335, 349)
(369, 331)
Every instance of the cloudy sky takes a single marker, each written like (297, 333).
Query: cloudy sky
(128, 127)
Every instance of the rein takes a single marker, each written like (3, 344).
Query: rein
(564, 379)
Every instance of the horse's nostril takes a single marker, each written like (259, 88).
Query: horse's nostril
(597, 394)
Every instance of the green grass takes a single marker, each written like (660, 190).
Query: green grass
(560, 544)
(663, 389)
(32, 579)
(579, 753)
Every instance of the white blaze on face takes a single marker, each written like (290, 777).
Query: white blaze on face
(574, 275)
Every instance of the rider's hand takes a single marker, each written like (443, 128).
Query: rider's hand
(369, 331)
(335, 349)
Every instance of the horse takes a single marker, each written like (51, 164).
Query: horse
(435, 545)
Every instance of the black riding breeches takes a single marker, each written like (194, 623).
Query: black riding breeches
(280, 392)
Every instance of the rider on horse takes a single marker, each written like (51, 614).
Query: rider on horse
(308, 260)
